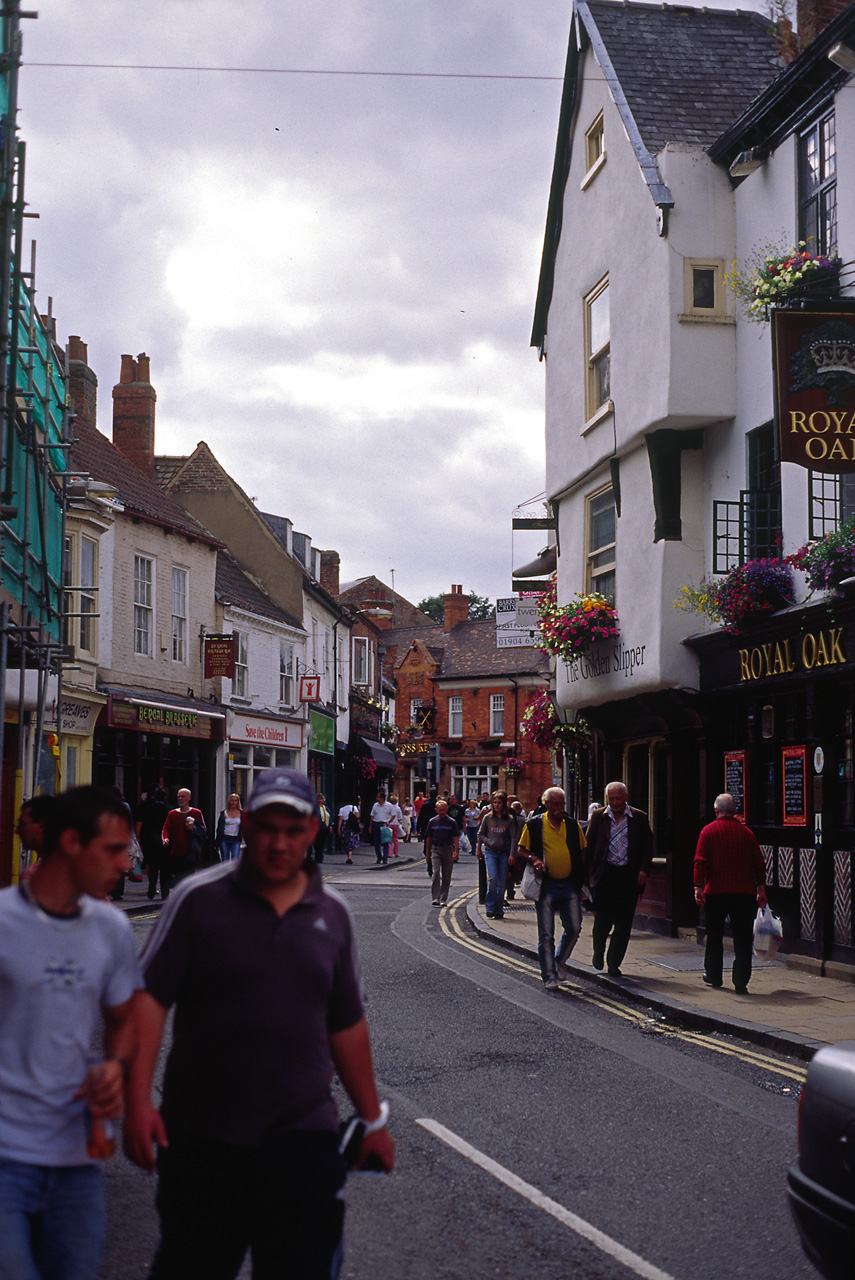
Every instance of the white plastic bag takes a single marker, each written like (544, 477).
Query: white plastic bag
(768, 932)
(531, 883)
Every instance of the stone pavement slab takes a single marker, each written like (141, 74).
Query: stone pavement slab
(786, 1008)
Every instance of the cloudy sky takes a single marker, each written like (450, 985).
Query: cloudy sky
(333, 274)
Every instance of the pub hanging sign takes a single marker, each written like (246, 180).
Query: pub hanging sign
(813, 358)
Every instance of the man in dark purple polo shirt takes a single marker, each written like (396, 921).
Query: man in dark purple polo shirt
(259, 960)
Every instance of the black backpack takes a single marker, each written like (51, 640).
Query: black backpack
(353, 820)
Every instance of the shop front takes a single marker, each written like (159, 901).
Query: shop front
(321, 756)
(142, 742)
(257, 743)
(78, 715)
(778, 704)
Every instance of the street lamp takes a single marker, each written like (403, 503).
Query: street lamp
(564, 716)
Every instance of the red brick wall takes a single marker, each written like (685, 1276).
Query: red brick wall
(134, 399)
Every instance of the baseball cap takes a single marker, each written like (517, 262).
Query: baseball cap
(283, 786)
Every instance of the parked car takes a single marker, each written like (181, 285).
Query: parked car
(822, 1181)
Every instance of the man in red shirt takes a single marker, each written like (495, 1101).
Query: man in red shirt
(180, 824)
(730, 880)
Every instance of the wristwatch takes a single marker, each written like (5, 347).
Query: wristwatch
(380, 1123)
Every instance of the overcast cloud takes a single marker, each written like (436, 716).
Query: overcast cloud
(334, 275)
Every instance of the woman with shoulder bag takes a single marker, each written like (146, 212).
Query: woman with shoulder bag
(494, 847)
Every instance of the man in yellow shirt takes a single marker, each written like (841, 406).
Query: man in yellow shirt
(554, 845)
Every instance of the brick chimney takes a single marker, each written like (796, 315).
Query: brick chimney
(330, 567)
(455, 607)
(133, 413)
(82, 385)
(813, 16)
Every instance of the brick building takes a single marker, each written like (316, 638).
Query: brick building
(460, 702)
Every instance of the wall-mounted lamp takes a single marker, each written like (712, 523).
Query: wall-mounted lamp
(842, 56)
(748, 162)
(564, 715)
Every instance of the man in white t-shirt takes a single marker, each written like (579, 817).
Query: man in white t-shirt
(66, 961)
(381, 815)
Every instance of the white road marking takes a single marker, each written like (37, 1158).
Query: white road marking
(582, 1228)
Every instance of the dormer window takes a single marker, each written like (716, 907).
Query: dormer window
(595, 150)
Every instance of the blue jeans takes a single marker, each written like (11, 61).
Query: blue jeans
(230, 848)
(51, 1221)
(497, 875)
(558, 897)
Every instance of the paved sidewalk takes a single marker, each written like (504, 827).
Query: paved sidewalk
(135, 901)
(787, 1009)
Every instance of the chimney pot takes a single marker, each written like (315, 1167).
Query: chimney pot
(77, 350)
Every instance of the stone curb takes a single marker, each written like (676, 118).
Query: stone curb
(685, 1016)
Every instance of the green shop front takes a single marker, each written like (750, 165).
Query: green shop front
(321, 755)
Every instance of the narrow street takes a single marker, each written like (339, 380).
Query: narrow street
(538, 1135)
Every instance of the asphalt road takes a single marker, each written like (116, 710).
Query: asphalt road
(539, 1136)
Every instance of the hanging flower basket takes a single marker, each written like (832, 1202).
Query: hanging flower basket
(514, 766)
(541, 725)
(366, 767)
(829, 560)
(776, 276)
(571, 631)
(750, 591)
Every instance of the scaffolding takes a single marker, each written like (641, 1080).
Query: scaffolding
(34, 445)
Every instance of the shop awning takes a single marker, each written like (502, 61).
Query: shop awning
(380, 753)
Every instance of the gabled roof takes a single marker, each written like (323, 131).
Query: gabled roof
(675, 74)
(687, 73)
(234, 586)
(140, 497)
(470, 650)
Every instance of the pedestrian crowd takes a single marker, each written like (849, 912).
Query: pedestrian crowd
(257, 958)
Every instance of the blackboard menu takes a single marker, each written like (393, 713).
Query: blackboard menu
(735, 770)
(794, 769)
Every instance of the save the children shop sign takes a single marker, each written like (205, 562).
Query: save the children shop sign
(813, 356)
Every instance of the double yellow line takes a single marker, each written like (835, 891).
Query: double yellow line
(451, 925)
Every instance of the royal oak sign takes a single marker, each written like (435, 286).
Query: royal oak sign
(813, 355)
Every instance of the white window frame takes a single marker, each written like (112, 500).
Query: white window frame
(87, 630)
(286, 673)
(80, 590)
(180, 580)
(240, 684)
(596, 353)
(455, 715)
(144, 598)
(497, 715)
(360, 665)
(595, 150)
(415, 706)
(595, 572)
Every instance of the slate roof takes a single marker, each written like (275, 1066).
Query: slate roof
(166, 467)
(278, 526)
(93, 452)
(470, 650)
(234, 586)
(687, 73)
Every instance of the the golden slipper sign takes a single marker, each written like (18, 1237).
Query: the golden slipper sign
(813, 354)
